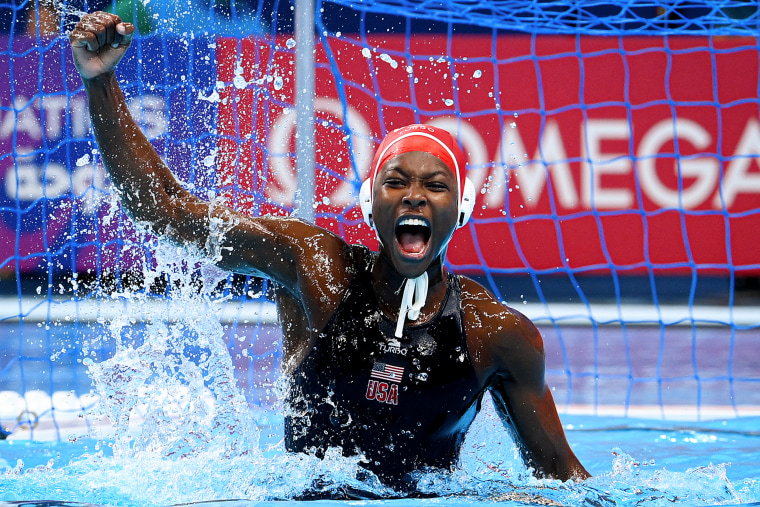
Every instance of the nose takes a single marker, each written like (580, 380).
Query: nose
(415, 197)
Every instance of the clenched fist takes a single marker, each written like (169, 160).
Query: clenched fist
(99, 42)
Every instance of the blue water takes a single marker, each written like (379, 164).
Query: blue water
(183, 429)
(646, 463)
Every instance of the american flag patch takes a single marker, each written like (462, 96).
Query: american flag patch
(387, 372)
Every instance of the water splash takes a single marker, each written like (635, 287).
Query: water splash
(491, 471)
(181, 430)
(169, 388)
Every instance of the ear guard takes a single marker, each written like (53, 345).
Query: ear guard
(466, 204)
(365, 202)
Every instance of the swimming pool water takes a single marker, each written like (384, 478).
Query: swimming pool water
(645, 463)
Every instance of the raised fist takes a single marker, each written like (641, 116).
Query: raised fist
(99, 42)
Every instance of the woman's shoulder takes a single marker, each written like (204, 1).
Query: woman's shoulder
(494, 329)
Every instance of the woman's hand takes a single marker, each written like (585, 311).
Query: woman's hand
(99, 42)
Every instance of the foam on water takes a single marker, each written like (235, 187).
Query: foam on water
(182, 431)
(149, 479)
(98, 472)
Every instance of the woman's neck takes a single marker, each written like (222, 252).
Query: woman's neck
(389, 287)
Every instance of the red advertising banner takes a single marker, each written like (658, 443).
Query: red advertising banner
(589, 153)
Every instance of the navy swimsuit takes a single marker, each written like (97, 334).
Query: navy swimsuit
(403, 403)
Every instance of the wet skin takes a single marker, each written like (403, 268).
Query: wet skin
(506, 348)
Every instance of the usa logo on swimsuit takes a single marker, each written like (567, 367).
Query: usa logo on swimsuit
(385, 389)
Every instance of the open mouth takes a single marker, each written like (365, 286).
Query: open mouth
(412, 235)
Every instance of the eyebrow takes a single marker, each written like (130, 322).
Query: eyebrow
(399, 169)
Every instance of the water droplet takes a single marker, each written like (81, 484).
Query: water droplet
(366, 53)
(513, 125)
(239, 82)
(213, 97)
(477, 74)
(448, 102)
(390, 61)
(290, 43)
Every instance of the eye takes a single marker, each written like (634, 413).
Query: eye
(437, 186)
(394, 182)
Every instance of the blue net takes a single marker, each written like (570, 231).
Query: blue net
(614, 148)
(592, 17)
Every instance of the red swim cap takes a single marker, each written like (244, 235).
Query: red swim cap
(427, 138)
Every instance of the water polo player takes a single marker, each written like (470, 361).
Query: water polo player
(388, 353)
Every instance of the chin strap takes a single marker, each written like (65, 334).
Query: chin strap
(415, 294)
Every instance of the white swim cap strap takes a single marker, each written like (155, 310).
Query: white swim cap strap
(415, 294)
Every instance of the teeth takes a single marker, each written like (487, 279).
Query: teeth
(414, 221)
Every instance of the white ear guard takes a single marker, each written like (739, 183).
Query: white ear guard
(466, 205)
(365, 202)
